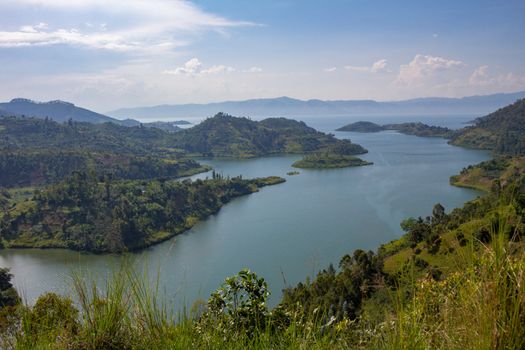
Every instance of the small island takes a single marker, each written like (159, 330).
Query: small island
(362, 126)
(421, 130)
(325, 160)
(413, 128)
(340, 155)
(292, 173)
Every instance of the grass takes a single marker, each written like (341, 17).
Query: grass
(479, 303)
(480, 306)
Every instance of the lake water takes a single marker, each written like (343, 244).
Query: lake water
(284, 232)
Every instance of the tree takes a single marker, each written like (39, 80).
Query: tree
(8, 294)
(438, 214)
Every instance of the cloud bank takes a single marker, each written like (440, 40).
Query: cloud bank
(137, 25)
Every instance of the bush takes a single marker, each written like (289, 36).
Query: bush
(239, 304)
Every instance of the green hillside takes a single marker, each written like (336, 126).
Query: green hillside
(227, 136)
(502, 131)
(104, 215)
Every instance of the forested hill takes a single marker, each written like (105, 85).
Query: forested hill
(35, 152)
(228, 136)
(411, 128)
(103, 215)
(33, 133)
(62, 111)
(41, 151)
(502, 131)
(59, 111)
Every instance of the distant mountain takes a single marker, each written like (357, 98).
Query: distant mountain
(285, 106)
(59, 111)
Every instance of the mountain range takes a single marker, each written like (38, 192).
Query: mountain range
(61, 111)
(285, 106)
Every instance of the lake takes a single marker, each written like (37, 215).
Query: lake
(284, 232)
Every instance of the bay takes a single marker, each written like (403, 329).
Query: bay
(284, 232)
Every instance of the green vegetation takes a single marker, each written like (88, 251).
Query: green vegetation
(470, 296)
(362, 126)
(490, 174)
(95, 214)
(35, 152)
(227, 136)
(502, 131)
(452, 281)
(8, 294)
(38, 168)
(325, 160)
(421, 130)
(21, 134)
(336, 156)
(292, 173)
(416, 129)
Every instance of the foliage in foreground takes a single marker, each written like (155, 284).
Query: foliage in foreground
(454, 281)
(480, 306)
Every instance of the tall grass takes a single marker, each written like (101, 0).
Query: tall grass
(480, 306)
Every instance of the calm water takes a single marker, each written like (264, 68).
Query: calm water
(284, 232)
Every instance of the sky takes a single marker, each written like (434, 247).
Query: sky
(108, 54)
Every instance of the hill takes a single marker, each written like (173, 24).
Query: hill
(59, 111)
(416, 129)
(454, 280)
(35, 152)
(362, 126)
(502, 131)
(421, 129)
(33, 133)
(103, 215)
(228, 136)
(285, 106)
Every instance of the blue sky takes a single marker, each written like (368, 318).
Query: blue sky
(110, 54)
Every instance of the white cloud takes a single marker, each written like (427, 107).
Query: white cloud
(217, 69)
(30, 36)
(138, 25)
(357, 68)
(480, 77)
(484, 78)
(330, 69)
(194, 67)
(435, 35)
(191, 67)
(376, 67)
(424, 68)
(254, 70)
